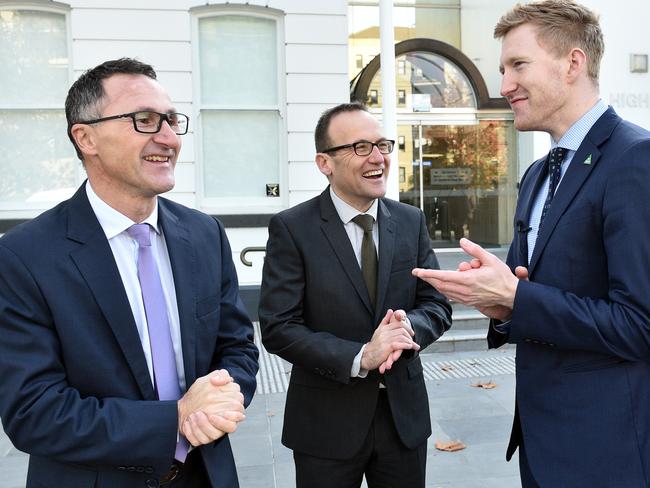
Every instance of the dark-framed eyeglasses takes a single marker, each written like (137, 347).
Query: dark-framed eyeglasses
(148, 122)
(364, 148)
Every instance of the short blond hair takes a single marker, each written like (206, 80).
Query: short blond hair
(561, 26)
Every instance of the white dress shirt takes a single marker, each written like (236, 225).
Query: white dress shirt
(355, 233)
(125, 252)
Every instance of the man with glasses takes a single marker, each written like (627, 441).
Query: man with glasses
(126, 354)
(338, 302)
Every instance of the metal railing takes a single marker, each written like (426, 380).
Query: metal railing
(246, 250)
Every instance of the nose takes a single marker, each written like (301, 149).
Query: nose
(508, 85)
(167, 136)
(376, 156)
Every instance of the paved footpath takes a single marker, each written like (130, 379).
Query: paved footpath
(480, 418)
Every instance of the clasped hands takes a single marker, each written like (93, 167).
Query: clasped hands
(485, 282)
(393, 335)
(212, 407)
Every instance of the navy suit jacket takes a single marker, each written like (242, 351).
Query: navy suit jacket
(315, 312)
(582, 322)
(76, 393)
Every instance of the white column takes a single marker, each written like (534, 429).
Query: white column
(388, 90)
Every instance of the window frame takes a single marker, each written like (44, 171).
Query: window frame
(27, 210)
(240, 205)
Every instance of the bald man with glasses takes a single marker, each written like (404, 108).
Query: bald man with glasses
(126, 355)
(338, 302)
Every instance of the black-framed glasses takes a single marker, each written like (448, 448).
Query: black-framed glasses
(148, 122)
(364, 148)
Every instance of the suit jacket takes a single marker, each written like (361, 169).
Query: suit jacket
(76, 393)
(315, 312)
(582, 322)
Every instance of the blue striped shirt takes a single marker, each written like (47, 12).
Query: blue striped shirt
(571, 140)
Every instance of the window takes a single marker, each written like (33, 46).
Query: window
(401, 67)
(38, 166)
(374, 97)
(359, 59)
(241, 123)
(401, 97)
(401, 143)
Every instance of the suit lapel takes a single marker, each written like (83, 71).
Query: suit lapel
(582, 164)
(184, 268)
(94, 260)
(386, 250)
(334, 232)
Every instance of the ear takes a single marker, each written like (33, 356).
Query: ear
(84, 137)
(577, 64)
(324, 163)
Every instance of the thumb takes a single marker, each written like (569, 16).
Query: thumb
(521, 273)
(387, 317)
(476, 251)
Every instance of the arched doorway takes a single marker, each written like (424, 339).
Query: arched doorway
(456, 154)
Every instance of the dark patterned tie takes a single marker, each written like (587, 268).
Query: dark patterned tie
(554, 162)
(368, 254)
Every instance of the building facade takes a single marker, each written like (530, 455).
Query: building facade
(255, 76)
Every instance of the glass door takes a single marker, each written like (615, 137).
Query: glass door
(462, 176)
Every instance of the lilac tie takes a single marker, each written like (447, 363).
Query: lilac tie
(155, 307)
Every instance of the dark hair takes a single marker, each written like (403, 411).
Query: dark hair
(321, 135)
(561, 26)
(85, 94)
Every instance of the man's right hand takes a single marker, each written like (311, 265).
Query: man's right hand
(211, 407)
(389, 336)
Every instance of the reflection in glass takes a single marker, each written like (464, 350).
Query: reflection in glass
(462, 177)
(430, 81)
(236, 52)
(37, 163)
(237, 149)
(33, 48)
(435, 19)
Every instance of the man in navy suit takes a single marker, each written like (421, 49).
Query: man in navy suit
(575, 295)
(340, 303)
(101, 384)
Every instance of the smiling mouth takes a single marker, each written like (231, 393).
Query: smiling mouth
(157, 159)
(374, 174)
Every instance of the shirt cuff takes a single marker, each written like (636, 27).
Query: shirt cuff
(357, 371)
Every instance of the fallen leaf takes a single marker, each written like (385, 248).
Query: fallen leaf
(447, 368)
(450, 446)
(486, 386)
(270, 413)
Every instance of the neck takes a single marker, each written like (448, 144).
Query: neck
(135, 207)
(574, 108)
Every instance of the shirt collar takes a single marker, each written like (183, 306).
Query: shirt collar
(112, 221)
(347, 212)
(578, 131)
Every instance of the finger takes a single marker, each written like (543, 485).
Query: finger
(475, 263)
(203, 425)
(521, 272)
(476, 251)
(200, 436)
(187, 432)
(464, 266)
(223, 424)
(220, 377)
(399, 314)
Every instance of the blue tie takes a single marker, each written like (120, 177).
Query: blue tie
(554, 162)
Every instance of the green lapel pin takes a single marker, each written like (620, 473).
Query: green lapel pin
(588, 160)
